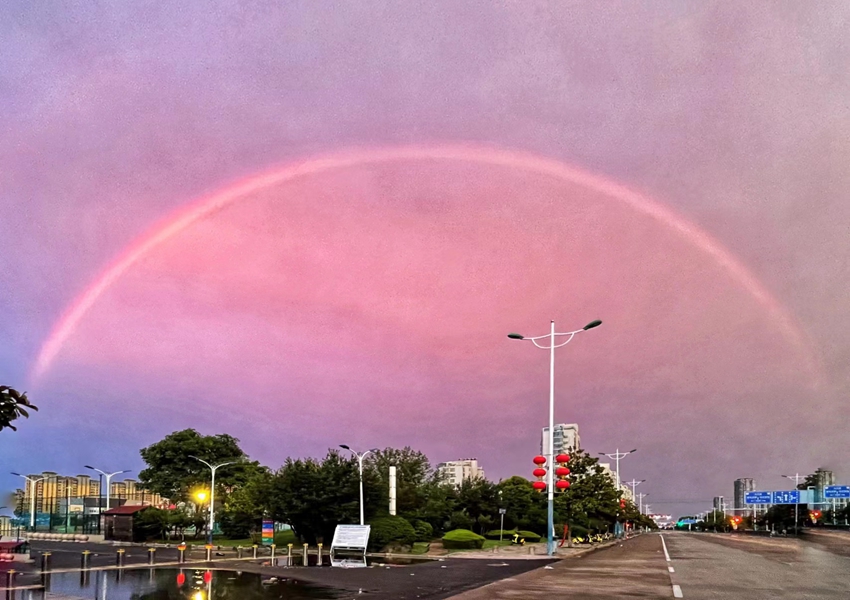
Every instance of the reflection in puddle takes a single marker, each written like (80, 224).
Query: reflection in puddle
(175, 584)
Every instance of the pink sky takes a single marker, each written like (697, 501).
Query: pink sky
(369, 303)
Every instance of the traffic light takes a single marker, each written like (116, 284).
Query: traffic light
(815, 515)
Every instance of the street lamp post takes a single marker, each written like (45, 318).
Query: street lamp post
(797, 479)
(360, 456)
(32, 482)
(213, 468)
(616, 456)
(641, 496)
(109, 477)
(550, 481)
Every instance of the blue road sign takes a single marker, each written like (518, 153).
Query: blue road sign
(836, 491)
(758, 497)
(786, 497)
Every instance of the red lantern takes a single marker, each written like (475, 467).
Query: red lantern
(181, 579)
(539, 460)
(207, 576)
(562, 471)
(562, 458)
(562, 484)
(539, 485)
(538, 472)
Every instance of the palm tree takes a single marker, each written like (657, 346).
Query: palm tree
(13, 404)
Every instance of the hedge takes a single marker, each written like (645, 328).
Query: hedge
(387, 530)
(493, 534)
(424, 531)
(462, 539)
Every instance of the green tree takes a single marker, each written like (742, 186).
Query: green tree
(477, 498)
(173, 473)
(314, 497)
(13, 405)
(245, 507)
(524, 507)
(413, 472)
(592, 500)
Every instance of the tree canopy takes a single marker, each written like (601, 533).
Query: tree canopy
(174, 473)
(13, 405)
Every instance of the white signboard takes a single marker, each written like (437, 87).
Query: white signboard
(348, 548)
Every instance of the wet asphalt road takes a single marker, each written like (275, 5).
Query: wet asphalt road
(700, 567)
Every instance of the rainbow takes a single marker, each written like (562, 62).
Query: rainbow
(203, 207)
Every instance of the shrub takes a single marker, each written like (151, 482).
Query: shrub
(493, 534)
(462, 539)
(387, 530)
(424, 531)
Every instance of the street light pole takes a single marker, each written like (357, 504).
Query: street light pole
(797, 479)
(213, 468)
(641, 496)
(616, 456)
(32, 483)
(360, 457)
(109, 477)
(550, 480)
(633, 484)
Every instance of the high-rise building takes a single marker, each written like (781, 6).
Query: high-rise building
(456, 472)
(719, 504)
(565, 441)
(742, 486)
(52, 492)
(823, 478)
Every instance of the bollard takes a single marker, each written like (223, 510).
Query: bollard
(289, 555)
(45, 561)
(10, 578)
(306, 561)
(255, 550)
(119, 557)
(272, 549)
(181, 558)
(238, 551)
(319, 558)
(84, 560)
(209, 549)
(151, 556)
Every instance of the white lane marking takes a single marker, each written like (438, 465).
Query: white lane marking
(663, 543)
(677, 592)
(670, 569)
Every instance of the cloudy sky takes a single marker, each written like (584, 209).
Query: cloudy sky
(309, 223)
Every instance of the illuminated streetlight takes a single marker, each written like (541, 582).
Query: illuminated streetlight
(213, 468)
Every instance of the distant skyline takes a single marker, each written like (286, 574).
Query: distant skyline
(307, 225)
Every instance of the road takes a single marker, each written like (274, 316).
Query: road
(700, 567)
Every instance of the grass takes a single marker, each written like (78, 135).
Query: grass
(281, 539)
(488, 544)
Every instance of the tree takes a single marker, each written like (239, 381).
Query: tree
(13, 405)
(592, 501)
(174, 474)
(413, 472)
(524, 507)
(314, 497)
(245, 507)
(477, 498)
